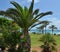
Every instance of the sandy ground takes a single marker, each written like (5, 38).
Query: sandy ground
(38, 49)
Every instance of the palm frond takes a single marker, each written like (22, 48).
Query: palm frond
(36, 23)
(42, 15)
(13, 11)
(36, 12)
(31, 7)
(46, 13)
(17, 6)
(2, 13)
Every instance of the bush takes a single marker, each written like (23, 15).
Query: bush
(54, 33)
(49, 43)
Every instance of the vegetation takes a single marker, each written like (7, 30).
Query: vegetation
(36, 43)
(11, 40)
(52, 27)
(36, 37)
(9, 35)
(41, 28)
(26, 18)
(45, 25)
(49, 43)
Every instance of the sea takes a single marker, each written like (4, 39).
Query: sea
(47, 31)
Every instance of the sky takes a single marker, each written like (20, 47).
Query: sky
(42, 5)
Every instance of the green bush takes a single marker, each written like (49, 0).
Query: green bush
(49, 43)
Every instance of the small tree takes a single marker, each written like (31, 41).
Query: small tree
(41, 28)
(49, 43)
(52, 27)
(11, 39)
(45, 24)
(10, 35)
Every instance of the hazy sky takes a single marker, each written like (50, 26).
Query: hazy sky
(43, 5)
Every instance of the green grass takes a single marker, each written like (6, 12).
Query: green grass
(35, 40)
(57, 38)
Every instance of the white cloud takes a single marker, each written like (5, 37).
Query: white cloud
(55, 22)
(36, 1)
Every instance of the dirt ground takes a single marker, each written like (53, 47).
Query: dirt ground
(38, 49)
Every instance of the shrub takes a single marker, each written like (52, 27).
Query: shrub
(49, 43)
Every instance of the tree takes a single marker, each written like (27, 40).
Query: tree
(45, 24)
(10, 35)
(52, 27)
(41, 28)
(49, 43)
(11, 39)
(26, 18)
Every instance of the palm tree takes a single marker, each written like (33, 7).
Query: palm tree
(41, 28)
(26, 18)
(45, 24)
(52, 27)
(49, 43)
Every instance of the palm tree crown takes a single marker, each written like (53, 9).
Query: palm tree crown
(45, 23)
(24, 17)
(52, 27)
(49, 43)
(41, 28)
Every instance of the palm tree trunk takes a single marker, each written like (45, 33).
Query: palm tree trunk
(26, 45)
(45, 30)
(42, 31)
(52, 31)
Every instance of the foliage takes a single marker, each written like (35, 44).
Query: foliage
(36, 37)
(45, 25)
(41, 28)
(52, 27)
(47, 38)
(10, 35)
(24, 17)
(49, 43)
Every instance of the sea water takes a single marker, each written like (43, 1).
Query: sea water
(47, 31)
